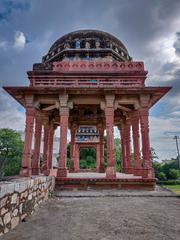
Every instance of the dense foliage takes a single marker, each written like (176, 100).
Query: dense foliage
(168, 170)
(11, 147)
(88, 156)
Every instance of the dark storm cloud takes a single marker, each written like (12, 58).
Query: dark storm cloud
(140, 24)
(175, 83)
(137, 23)
(143, 21)
(7, 6)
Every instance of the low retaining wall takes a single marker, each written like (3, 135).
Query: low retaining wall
(20, 197)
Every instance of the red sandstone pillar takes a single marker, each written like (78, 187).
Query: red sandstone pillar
(128, 168)
(72, 148)
(50, 146)
(135, 130)
(123, 145)
(76, 158)
(37, 145)
(98, 159)
(45, 147)
(101, 141)
(26, 159)
(64, 115)
(146, 153)
(110, 171)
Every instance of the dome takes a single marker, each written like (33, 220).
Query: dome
(87, 45)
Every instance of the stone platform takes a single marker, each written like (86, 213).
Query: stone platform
(85, 181)
(70, 217)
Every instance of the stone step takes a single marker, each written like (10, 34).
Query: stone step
(104, 183)
(158, 192)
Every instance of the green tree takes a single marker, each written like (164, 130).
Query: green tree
(157, 168)
(162, 176)
(11, 147)
(117, 154)
(173, 173)
(87, 158)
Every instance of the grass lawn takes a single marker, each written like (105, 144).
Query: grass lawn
(174, 188)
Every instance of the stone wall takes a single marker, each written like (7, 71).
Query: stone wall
(20, 197)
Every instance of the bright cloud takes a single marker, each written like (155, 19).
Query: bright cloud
(19, 40)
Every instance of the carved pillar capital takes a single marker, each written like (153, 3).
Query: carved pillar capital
(29, 101)
(63, 98)
(144, 100)
(110, 100)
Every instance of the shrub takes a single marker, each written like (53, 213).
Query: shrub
(169, 182)
(162, 176)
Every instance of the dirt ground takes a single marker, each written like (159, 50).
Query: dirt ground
(103, 218)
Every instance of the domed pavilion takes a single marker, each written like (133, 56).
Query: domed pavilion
(88, 83)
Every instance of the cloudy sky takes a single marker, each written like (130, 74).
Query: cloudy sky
(150, 29)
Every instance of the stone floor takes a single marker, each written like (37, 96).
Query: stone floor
(159, 192)
(101, 175)
(129, 216)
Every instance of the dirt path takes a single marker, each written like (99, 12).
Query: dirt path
(103, 218)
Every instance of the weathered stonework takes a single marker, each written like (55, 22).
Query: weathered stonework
(19, 199)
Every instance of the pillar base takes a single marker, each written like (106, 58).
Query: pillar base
(110, 172)
(138, 172)
(35, 171)
(45, 172)
(102, 169)
(71, 166)
(62, 172)
(129, 170)
(52, 172)
(25, 172)
(147, 173)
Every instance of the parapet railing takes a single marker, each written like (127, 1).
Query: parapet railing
(87, 83)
